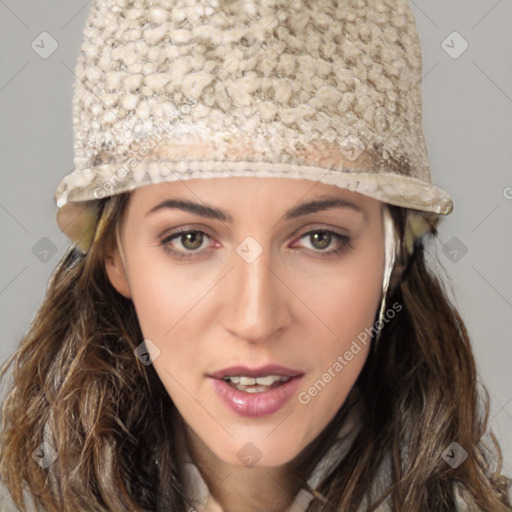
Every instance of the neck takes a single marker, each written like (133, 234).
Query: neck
(251, 489)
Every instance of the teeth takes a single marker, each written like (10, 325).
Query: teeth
(267, 380)
(254, 384)
(257, 389)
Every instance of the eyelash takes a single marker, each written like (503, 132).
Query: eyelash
(345, 243)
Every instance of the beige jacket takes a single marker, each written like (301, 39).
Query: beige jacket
(205, 502)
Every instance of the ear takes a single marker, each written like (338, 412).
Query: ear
(115, 271)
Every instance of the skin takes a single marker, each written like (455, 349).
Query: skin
(294, 305)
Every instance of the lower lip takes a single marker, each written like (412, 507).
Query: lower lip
(255, 405)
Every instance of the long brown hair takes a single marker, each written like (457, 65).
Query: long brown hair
(77, 386)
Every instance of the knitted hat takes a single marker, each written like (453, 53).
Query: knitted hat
(324, 90)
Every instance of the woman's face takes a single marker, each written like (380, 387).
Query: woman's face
(256, 278)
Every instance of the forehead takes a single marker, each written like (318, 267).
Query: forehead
(228, 199)
(260, 193)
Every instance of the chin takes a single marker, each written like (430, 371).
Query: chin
(263, 453)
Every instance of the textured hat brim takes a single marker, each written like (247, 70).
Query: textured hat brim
(77, 212)
(109, 179)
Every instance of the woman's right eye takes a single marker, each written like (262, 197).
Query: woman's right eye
(190, 239)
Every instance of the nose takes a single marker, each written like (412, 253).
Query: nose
(256, 300)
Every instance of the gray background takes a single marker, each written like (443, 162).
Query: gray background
(467, 106)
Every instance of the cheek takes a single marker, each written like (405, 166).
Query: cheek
(163, 303)
(170, 302)
(347, 303)
(161, 295)
(349, 298)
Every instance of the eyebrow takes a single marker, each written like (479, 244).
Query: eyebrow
(211, 212)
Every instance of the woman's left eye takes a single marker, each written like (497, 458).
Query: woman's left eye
(322, 238)
(192, 240)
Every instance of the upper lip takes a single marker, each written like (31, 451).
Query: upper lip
(270, 369)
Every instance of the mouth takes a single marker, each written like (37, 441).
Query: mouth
(256, 391)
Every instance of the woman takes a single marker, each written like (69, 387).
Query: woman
(215, 341)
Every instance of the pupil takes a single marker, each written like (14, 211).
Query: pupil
(193, 236)
(322, 235)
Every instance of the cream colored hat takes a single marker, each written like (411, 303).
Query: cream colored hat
(168, 90)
